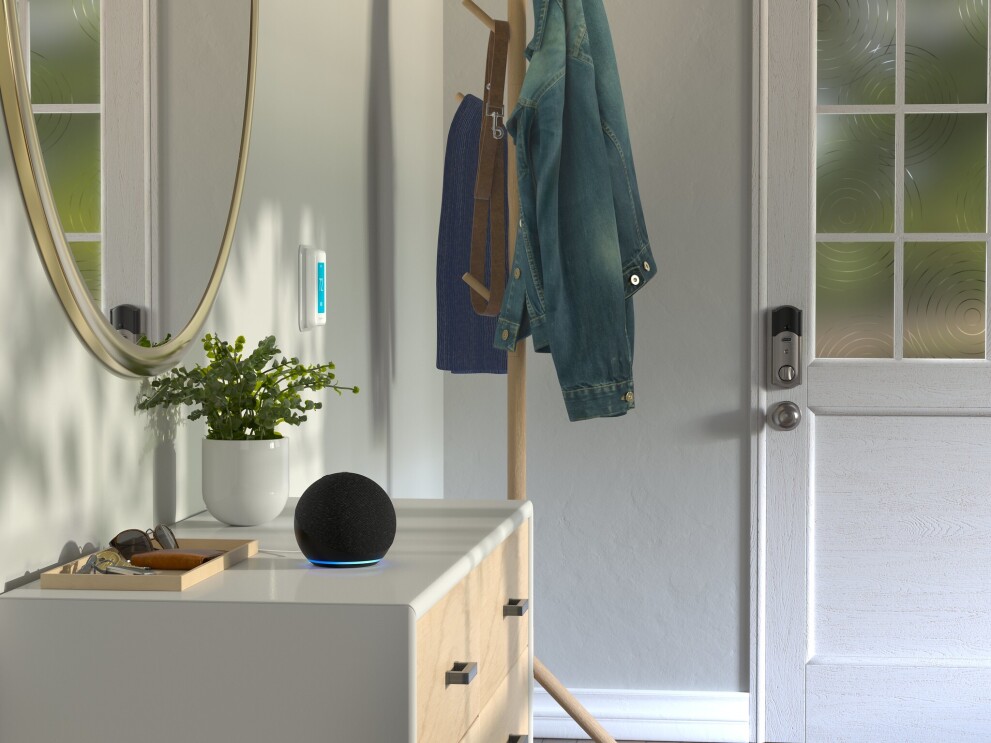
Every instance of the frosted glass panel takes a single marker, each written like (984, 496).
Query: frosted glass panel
(65, 51)
(70, 144)
(944, 300)
(855, 169)
(946, 45)
(944, 172)
(87, 257)
(855, 314)
(856, 51)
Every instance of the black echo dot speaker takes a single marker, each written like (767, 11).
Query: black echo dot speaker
(345, 520)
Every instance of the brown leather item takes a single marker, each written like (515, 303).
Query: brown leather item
(490, 182)
(178, 559)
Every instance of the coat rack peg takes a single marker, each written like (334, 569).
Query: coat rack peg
(477, 286)
(480, 14)
(459, 96)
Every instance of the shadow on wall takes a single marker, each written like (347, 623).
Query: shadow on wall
(25, 353)
(70, 461)
(71, 551)
(381, 228)
(162, 424)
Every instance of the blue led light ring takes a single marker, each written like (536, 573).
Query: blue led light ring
(352, 562)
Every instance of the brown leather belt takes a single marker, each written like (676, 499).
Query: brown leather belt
(489, 217)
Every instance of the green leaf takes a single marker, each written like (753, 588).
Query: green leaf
(242, 397)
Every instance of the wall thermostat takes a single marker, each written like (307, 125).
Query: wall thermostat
(312, 287)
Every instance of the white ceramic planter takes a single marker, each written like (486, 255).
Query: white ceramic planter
(245, 483)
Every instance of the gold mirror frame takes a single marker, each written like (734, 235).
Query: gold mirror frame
(122, 357)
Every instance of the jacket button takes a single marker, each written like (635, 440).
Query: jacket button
(646, 266)
(505, 335)
(628, 397)
(635, 280)
(516, 272)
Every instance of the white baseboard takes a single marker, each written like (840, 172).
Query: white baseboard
(690, 716)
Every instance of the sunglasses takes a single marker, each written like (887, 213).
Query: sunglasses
(133, 541)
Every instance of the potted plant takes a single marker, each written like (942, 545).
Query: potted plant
(244, 398)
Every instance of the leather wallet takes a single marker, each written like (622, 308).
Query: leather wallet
(175, 559)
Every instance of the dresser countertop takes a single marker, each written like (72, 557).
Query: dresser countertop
(438, 542)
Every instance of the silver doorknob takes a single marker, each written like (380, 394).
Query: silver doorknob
(785, 416)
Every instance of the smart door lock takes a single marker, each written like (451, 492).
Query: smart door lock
(785, 369)
(126, 320)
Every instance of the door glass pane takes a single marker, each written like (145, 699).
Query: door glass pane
(855, 169)
(946, 43)
(87, 256)
(65, 51)
(944, 300)
(856, 51)
(944, 172)
(70, 144)
(855, 313)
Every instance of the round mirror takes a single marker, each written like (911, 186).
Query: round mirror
(129, 124)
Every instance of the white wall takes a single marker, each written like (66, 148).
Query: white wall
(642, 522)
(641, 546)
(77, 465)
(416, 66)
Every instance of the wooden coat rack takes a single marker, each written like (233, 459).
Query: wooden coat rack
(516, 361)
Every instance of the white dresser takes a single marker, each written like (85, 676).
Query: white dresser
(275, 649)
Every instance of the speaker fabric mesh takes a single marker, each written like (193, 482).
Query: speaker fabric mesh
(345, 518)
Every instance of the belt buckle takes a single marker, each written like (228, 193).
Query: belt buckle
(498, 115)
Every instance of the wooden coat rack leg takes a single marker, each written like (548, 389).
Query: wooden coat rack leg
(516, 362)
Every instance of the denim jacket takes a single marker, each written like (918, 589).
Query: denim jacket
(581, 249)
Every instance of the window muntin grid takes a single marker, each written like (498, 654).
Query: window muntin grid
(62, 56)
(900, 171)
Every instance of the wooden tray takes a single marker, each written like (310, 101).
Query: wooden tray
(65, 576)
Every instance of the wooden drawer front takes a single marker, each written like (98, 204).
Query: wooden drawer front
(444, 636)
(503, 575)
(508, 712)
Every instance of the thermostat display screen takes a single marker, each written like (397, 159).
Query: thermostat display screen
(321, 287)
(312, 287)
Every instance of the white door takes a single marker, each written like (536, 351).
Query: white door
(876, 520)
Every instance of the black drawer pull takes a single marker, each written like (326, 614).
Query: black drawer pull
(519, 739)
(516, 608)
(462, 674)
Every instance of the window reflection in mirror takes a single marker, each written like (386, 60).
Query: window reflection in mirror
(62, 52)
(139, 110)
